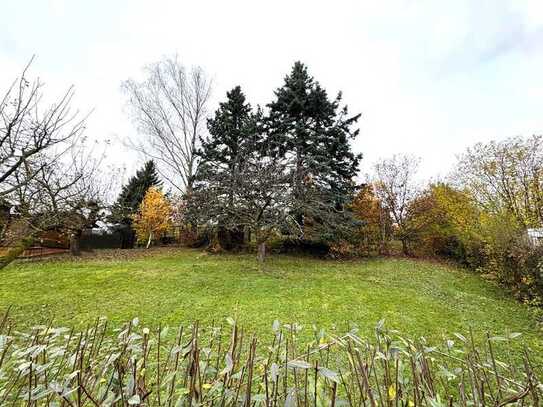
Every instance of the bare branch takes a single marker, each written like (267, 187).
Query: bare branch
(169, 109)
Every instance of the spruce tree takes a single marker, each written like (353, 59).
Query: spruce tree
(233, 136)
(133, 192)
(303, 123)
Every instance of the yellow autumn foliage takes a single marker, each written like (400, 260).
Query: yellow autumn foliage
(154, 216)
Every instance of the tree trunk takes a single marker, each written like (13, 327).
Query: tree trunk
(261, 253)
(247, 235)
(75, 244)
(299, 215)
(149, 240)
(15, 251)
(193, 225)
(405, 247)
(383, 243)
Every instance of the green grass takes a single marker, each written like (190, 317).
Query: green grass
(169, 287)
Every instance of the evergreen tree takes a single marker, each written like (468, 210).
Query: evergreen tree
(133, 192)
(304, 124)
(234, 137)
(233, 134)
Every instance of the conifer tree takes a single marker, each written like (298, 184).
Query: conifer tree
(303, 123)
(133, 192)
(233, 134)
(233, 137)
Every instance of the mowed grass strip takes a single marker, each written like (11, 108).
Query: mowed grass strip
(178, 286)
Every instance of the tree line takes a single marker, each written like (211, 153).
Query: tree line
(487, 215)
(242, 171)
(284, 170)
(248, 175)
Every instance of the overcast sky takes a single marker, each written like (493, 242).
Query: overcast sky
(429, 77)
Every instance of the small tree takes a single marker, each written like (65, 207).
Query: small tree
(133, 192)
(47, 175)
(375, 230)
(260, 189)
(153, 217)
(395, 186)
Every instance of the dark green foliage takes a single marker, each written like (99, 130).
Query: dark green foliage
(234, 138)
(303, 123)
(296, 246)
(133, 192)
(295, 165)
(233, 133)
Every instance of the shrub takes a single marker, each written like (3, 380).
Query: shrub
(518, 265)
(375, 230)
(222, 366)
(313, 247)
(343, 250)
(444, 221)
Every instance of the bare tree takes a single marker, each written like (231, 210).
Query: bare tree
(66, 195)
(395, 187)
(169, 108)
(48, 175)
(28, 130)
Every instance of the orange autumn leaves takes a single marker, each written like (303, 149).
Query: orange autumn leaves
(154, 216)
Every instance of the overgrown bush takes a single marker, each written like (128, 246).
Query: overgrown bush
(305, 246)
(444, 221)
(224, 366)
(447, 222)
(518, 265)
(343, 250)
(375, 229)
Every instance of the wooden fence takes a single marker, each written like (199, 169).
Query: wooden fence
(36, 251)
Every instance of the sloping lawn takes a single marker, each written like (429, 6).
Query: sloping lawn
(175, 286)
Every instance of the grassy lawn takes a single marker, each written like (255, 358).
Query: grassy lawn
(169, 287)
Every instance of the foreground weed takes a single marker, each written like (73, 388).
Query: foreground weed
(224, 366)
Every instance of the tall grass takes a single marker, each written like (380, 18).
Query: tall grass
(226, 366)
